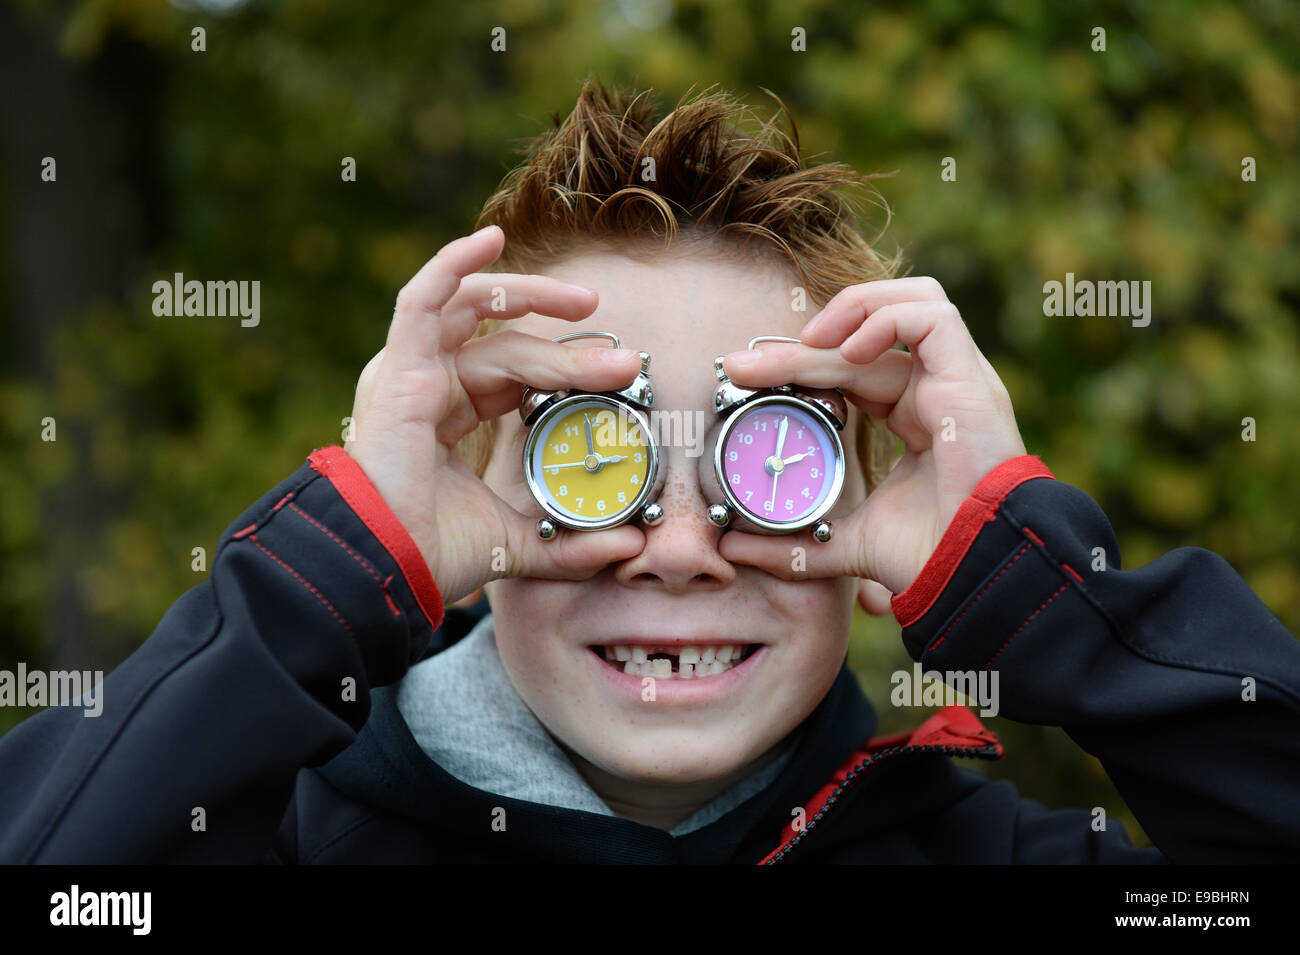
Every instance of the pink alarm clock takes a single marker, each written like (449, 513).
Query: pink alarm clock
(777, 465)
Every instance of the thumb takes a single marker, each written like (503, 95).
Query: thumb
(799, 556)
(874, 598)
(470, 600)
(363, 396)
(570, 554)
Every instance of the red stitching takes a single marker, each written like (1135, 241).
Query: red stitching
(1025, 624)
(387, 596)
(1033, 537)
(1072, 572)
(355, 556)
(319, 596)
(359, 493)
(241, 534)
(332, 536)
(943, 636)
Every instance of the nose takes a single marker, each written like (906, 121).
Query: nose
(681, 551)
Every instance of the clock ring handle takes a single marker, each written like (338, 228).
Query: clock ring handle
(639, 391)
(771, 338)
(732, 394)
(830, 400)
(635, 391)
(533, 400)
(576, 335)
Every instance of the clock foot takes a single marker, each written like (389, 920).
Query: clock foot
(545, 529)
(719, 514)
(652, 514)
(822, 532)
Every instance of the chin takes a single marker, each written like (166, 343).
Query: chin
(673, 760)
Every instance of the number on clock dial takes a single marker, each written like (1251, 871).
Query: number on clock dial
(802, 484)
(560, 451)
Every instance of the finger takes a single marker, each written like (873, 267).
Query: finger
(470, 599)
(416, 332)
(904, 421)
(933, 331)
(569, 555)
(850, 306)
(505, 361)
(879, 383)
(503, 295)
(874, 598)
(798, 556)
(365, 391)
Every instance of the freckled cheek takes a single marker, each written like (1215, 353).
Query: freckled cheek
(817, 609)
(528, 625)
(819, 614)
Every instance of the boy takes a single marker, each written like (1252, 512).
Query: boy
(304, 705)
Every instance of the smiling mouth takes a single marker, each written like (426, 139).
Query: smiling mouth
(676, 663)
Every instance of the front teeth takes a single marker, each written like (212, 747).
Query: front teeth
(693, 663)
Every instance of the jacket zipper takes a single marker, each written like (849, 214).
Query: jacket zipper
(861, 769)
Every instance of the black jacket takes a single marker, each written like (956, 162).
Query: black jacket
(265, 698)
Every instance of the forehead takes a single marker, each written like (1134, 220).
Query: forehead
(683, 307)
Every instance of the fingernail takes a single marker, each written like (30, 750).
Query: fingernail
(482, 230)
(745, 357)
(813, 322)
(616, 356)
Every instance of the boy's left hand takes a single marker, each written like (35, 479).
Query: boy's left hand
(942, 397)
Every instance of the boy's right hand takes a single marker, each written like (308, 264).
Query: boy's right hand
(433, 383)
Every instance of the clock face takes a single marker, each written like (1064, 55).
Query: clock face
(589, 461)
(781, 479)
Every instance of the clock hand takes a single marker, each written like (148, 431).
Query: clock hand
(586, 425)
(776, 472)
(797, 457)
(582, 464)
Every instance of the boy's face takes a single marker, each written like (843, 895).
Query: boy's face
(684, 310)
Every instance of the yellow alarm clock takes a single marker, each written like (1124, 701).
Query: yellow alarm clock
(591, 460)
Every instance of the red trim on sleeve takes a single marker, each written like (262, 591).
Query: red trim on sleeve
(976, 511)
(355, 488)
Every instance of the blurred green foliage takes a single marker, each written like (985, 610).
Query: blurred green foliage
(1122, 164)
